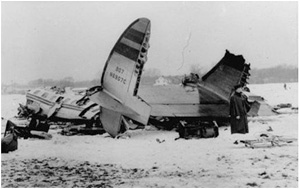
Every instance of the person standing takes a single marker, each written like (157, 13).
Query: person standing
(239, 106)
(285, 86)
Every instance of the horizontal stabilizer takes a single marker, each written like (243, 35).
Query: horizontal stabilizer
(133, 107)
(111, 121)
(140, 106)
(106, 100)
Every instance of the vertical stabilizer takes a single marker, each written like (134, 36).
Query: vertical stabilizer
(121, 78)
(125, 63)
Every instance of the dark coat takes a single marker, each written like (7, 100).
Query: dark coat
(239, 106)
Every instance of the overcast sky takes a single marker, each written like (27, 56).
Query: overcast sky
(53, 40)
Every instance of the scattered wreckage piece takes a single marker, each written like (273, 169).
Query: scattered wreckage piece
(29, 128)
(81, 130)
(267, 140)
(200, 129)
(259, 106)
(9, 142)
(285, 108)
(283, 105)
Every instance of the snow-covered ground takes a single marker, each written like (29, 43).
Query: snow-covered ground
(141, 161)
(276, 94)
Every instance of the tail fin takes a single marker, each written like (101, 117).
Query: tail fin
(230, 71)
(123, 69)
(121, 78)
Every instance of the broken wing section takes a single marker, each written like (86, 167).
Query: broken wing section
(217, 85)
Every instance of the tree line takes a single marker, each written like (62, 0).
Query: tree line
(278, 74)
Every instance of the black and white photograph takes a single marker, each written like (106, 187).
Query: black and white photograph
(149, 94)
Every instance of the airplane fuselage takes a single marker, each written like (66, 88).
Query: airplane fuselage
(66, 104)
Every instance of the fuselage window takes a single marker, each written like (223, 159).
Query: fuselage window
(67, 100)
(45, 95)
(29, 101)
(36, 92)
(53, 98)
(73, 102)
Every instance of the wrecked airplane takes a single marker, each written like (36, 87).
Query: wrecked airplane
(117, 101)
(120, 99)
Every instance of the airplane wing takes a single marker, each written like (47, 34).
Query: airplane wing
(209, 99)
(217, 85)
(121, 78)
(171, 101)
